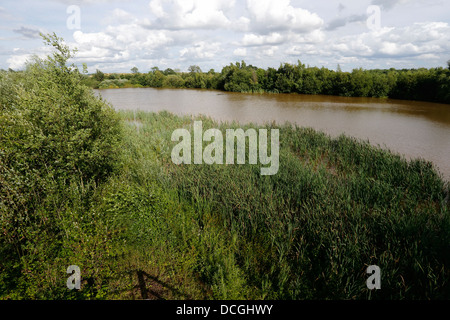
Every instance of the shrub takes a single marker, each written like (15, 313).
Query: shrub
(55, 133)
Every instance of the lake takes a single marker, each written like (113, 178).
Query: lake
(412, 128)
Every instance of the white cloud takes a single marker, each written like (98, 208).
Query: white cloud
(417, 45)
(241, 25)
(389, 4)
(96, 54)
(201, 50)
(20, 56)
(156, 7)
(269, 16)
(118, 43)
(242, 52)
(270, 51)
(88, 2)
(314, 37)
(119, 16)
(259, 40)
(391, 48)
(428, 56)
(190, 14)
(99, 39)
(415, 40)
(178, 33)
(297, 50)
(17, 62)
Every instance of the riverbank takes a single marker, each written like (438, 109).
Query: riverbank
(308, 232)
(413, 129)
(226, 232)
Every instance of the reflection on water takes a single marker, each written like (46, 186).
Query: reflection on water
(414, 129)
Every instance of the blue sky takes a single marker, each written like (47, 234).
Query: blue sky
(115, 36)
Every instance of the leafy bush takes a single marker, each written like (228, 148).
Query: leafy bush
(56, 136)
(114, 83)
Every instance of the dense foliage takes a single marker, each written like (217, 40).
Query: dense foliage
(57, 143)
(413, 84)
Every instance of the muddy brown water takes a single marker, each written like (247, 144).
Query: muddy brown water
(412, 128)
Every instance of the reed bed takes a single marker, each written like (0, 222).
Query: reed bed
(336, 206)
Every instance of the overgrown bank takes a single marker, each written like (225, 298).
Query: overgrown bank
(83, 185)
(309, 231)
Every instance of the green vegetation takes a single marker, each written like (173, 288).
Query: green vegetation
(414, 84)
(58, 143)
(81, 184)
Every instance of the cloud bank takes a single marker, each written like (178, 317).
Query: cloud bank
(117, 35)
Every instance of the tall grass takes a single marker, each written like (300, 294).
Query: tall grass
(308, 232)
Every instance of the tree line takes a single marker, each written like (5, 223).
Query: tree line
(410, 84)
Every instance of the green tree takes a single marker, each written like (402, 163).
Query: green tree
(173, 81)
(194, 69)
(195, 80)
(286, 81)
(361, 82)
(169, 71)
(156, 79)
(311, 82)
(57, 137)
(99, 76)
(135, 70)
(380, 85)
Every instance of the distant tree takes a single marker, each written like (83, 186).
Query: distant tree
(194, 69)
(173, 81)
(134, 70)
(99, 76)
(448, 63)
(157, 79)
(169, 71)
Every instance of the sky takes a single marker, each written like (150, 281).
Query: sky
(115, 36)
